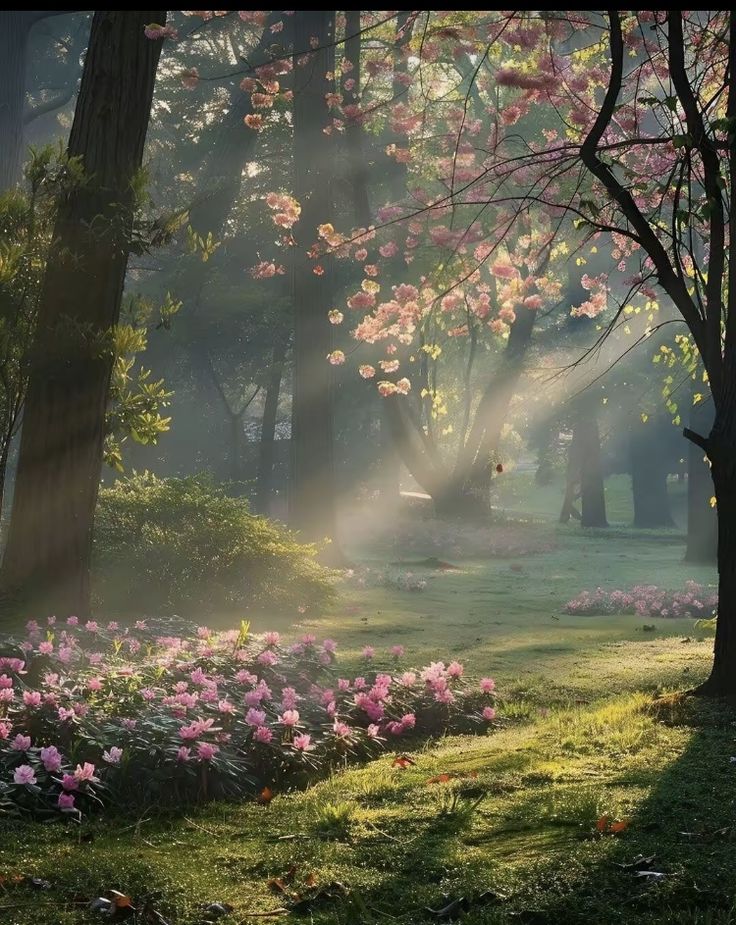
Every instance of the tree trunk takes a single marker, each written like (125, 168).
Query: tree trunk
(312, 501)
(649, 479)
(14, 28)
(722, 679)
(266, 450)
(702, 519)
(49, 544)
(584, 478)
(592, 494)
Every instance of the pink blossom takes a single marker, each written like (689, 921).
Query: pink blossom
(302, 742)
(487, 685)
(32, 698)
(24, 774)
(113, 755)
(21, 743)
(255, 717)
(65, 801)
(368, 652)
(85, 772)
(397, 651)
(263, 734)
(289, 718)
(206, 751)
(69, 782)
(183, 753)
(155, 31)
(51, 758)
(489, 713)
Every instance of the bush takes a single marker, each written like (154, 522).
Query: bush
(183, 545)
(93, 716)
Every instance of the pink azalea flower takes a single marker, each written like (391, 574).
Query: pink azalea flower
(66, 801)
(289, 718)
(69, 782)
(206, 751)
(397, 651)
(85, 772)
(255, 717)
(32, 698)
(21, 743)
(263, 734)
(183, 754)
(303, 743)
(51, 759)
(24, 774)
(113, 756)
(487, 685)
(368, 652)
(489, 713)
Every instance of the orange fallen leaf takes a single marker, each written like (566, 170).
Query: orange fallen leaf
(619, 826)
(265, 796)
(402, 762)
(310, 880)
(602, 824)
(440, 779)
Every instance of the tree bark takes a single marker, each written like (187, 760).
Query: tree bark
(14, 28)
(266, 450)
(47, 558)
(722, 679)
(593, 497)
(702, 519)
(649, 479)
(312, 497)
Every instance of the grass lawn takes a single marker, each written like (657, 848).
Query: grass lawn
(589, 737)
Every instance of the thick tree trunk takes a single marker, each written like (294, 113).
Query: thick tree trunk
(592, 494)
(649, 479)
(722, 680)
(47, 557)
(266, 450)
(312, 496)
(702, 519)
(14, 28)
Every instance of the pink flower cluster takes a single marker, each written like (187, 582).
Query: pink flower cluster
(164, 713)
(647, 601)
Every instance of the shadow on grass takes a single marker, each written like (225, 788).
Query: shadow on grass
(543, 863)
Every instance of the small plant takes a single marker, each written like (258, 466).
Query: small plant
(333, 820)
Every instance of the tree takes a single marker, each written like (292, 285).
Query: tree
(651, 166)
(49, 543)
(15, 29)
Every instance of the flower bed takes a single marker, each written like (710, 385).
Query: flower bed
(647, 601)
(127, 716)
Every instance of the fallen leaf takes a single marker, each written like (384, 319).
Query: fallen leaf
(602, 824)
(439, 779)
(403, 762)
(265, 796)
(619, 826)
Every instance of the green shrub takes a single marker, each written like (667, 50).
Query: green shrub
(182, 545)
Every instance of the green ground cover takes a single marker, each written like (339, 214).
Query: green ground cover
(590, 737)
